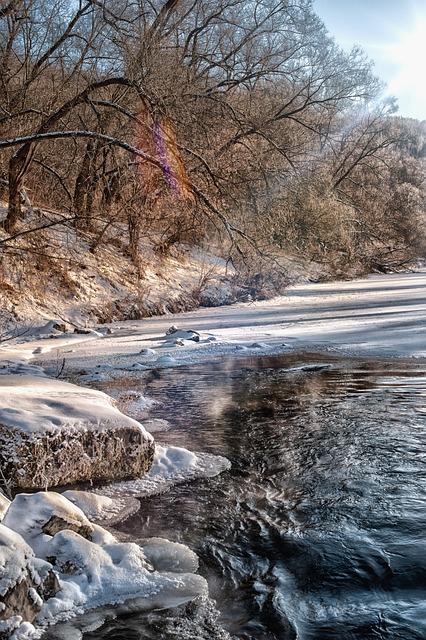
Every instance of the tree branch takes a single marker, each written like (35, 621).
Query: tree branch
(8, 9)
(55, 46)
(58, 135)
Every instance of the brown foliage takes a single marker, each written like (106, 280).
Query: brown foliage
(238, 122)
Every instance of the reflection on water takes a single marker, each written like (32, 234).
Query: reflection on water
(318, 531)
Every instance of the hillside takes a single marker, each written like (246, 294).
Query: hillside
(242, 130)
(53, 273)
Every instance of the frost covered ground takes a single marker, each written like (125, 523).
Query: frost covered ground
(379, 316)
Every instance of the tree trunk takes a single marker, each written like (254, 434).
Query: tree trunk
(15, 182)
(134, 226)
(84, 188)
(18, 166)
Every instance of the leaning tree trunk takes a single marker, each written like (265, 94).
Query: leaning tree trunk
(18, 166)
(85, 186)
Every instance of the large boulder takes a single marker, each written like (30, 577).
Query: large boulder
(55, 433)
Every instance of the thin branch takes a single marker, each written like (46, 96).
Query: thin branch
(40, 62)
(203, 162)
(230, 229)
(56, 174)
(19, 114)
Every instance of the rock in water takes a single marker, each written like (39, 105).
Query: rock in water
(54, 433)
(25, 581)
(55, 563)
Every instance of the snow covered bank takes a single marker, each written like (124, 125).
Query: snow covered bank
(34, 340)
(56, 564)
(379, 316)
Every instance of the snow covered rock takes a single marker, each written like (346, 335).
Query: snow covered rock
(50, 577)
(55, 433)
(171, 330)
(38, 517)
(26, 582)
(174, 334)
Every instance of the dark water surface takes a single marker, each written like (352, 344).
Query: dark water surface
(318, 532)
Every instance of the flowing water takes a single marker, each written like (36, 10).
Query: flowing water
(318, 532)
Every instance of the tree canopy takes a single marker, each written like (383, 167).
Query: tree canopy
(244, 119)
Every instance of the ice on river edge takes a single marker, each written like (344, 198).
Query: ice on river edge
(172, 465)
(99, 577)
(101, 573)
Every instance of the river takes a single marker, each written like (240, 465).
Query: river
(318, 530)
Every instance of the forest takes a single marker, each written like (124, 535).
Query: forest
(236, 126)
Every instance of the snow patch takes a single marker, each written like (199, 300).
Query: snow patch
(165, 361)
(172, 465)
(22, 369)
(147, 352)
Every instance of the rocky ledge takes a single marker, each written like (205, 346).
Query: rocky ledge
(55, 433)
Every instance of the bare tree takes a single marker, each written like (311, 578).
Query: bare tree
(240, 109)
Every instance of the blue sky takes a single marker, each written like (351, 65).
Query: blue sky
(393, 34)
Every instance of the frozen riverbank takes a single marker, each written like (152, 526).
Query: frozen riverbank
(378, 316)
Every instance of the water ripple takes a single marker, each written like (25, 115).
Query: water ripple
(318, 530)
